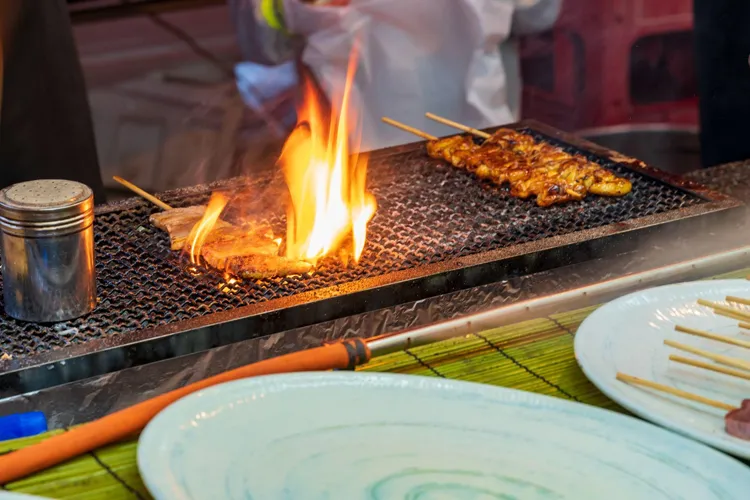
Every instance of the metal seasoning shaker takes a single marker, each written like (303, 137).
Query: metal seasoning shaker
(47, 229)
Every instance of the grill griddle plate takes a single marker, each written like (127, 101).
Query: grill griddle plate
(433, 221)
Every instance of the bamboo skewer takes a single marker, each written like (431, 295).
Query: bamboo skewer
(407, 128)
(629, 379)
(746, 326)
(713, 336)
(143, 194)
(738, 300)
(459, 126)
(719, 358)
(720, 307)
(736, 317)
(709, 366)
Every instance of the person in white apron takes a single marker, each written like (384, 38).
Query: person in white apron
(454, 58)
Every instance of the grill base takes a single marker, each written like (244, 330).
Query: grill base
(437, 230)
(86, 400)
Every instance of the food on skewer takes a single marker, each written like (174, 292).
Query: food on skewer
(225, 243)
(531, 168)
(178, 222)
(253, 265)
(606, 183)
(736, 421)
(249, 255)
(249, 251)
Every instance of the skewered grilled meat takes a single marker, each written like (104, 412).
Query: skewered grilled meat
(251, 263)
(531, 168)
(458, 147)
(247, 252)
(177, 223)
(227, 243)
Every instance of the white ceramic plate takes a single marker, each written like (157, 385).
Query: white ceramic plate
(352, 436)
(627, 335)
(9, 495)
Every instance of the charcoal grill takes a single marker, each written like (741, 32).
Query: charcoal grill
(437, 230)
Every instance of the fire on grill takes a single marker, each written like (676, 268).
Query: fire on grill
(328, 207)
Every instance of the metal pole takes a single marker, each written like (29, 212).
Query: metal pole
(571, 299)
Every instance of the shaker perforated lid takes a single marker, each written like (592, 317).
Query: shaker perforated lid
(45, 200)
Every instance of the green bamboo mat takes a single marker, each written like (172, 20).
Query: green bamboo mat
(535, 355)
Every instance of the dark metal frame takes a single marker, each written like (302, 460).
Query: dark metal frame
(97, 357)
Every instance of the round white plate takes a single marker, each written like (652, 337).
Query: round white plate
(352, 436)
(627, 335)
(10, 495)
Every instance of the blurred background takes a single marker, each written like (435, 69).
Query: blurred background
(174, 104)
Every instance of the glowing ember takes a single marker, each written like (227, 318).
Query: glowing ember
(203, 228)
(329, 201)
(228, 286)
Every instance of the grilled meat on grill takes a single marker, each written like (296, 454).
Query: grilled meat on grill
(531, 168)
(227, 244)
(250, 256)
(253, 265)
(247, 252)
(178, 223)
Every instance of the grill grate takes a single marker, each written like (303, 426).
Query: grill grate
(428, 212)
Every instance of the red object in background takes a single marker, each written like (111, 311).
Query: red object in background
(612, 62)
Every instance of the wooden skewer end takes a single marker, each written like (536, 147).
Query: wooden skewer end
(143, 194)
(459, 126)
(673, 391)
(738, 300)
(407, 128)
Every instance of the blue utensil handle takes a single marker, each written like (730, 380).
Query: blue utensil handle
(21, 425)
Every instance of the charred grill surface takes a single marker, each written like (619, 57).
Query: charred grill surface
(429, 213)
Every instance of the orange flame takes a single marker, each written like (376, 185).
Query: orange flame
(203, 227)
(329, 200)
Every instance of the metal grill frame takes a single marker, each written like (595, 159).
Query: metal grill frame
(99, 356)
